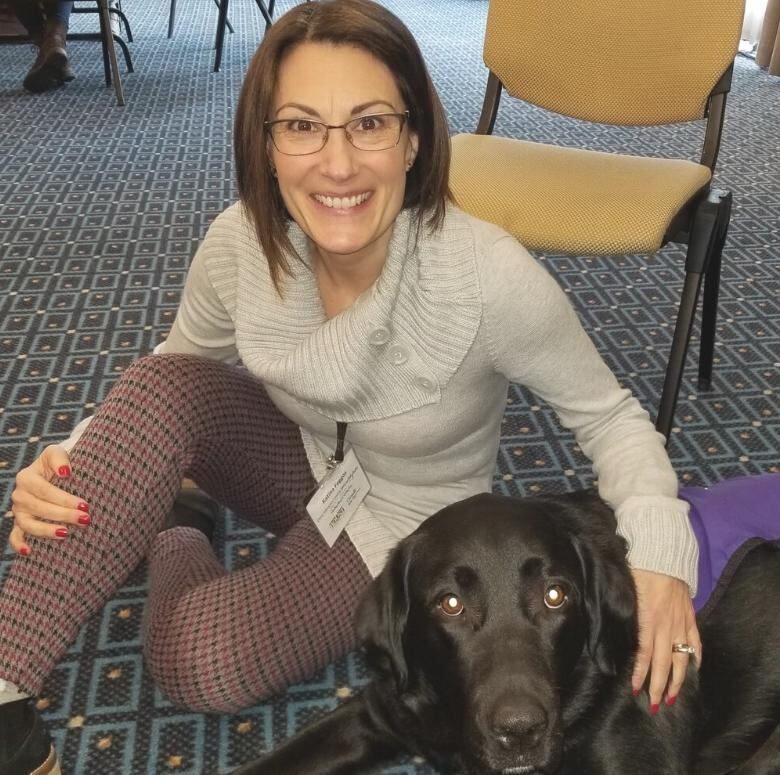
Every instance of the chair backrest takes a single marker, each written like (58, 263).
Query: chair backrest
(613, 61)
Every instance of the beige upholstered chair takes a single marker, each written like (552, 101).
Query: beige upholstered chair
(626, 62)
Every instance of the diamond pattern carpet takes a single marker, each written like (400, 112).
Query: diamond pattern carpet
(101, 209)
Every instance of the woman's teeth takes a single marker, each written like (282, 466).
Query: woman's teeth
(342, 202)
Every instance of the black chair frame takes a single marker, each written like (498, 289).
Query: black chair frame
(172, 18)
(703, 225)
(266, 10)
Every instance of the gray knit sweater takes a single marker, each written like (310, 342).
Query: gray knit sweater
(419, 367)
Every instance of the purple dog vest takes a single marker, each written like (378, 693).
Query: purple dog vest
(729, 519)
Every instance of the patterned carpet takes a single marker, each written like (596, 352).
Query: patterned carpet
(101, 208)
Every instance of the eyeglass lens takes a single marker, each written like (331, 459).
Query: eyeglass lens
(368, 133)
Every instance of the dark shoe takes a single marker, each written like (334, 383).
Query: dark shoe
(25, 745)
(194, 508)
(51, 67)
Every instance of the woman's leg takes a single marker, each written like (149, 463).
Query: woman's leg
(219, 642)
(168, 416)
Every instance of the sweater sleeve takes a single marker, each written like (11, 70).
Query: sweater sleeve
(203, 324)
(204, 321)
(538, 341)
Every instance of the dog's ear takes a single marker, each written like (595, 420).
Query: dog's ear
(381, 616)
(610, 596)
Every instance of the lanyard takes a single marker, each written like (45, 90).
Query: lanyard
(338, 456)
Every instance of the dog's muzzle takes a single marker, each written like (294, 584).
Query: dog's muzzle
(520, 735)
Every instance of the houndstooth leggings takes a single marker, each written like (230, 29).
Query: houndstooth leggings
(214, 641)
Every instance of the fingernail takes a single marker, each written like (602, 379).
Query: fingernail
(82, 506)
(63, 471)
(635, 692)
(84, 519)
(671, 700)
(654, 708)
(61, 532)
(24, 551)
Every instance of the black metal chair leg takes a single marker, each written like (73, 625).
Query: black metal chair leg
(104, 46)
(710, 296)
(171, 18)
(704, 234)
(709, 314)
(676, 364)
(221, 24)
(266, 13)
(227, 21)
(271, 5)
(126, 51)
(122, 20)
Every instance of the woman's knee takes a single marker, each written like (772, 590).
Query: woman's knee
(201, 675)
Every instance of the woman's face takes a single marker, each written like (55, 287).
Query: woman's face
(333, 85)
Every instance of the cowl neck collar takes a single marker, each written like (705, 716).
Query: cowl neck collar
(425, 305)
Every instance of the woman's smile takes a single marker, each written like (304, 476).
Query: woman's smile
(348, 204)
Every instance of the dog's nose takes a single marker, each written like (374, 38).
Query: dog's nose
(519, 726)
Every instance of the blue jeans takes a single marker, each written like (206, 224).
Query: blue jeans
(62, 12)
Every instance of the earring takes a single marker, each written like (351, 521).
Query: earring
(409, 165)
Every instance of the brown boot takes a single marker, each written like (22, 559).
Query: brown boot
(51, 68)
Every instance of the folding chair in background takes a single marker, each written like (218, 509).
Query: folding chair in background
(621, 62)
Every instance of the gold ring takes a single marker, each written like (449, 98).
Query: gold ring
(683, 648)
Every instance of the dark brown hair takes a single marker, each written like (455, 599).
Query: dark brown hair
(371, 27)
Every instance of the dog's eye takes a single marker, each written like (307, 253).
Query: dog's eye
(554, 596)
(450, 604)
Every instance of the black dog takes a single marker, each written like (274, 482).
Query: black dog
(502, 634)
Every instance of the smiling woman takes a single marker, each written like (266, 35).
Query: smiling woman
(334, 64)
(378, 328)
(344, 189)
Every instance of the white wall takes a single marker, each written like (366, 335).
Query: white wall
(754, 15)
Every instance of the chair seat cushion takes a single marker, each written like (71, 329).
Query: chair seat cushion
(568, 200)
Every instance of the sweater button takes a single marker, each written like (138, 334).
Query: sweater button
(426, 384)
(398, 355)
(379, 336)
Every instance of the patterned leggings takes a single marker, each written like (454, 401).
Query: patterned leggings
(214, 641)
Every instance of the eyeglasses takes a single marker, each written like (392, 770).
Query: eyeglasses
(302, 136)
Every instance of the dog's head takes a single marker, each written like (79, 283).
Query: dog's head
(499, 618)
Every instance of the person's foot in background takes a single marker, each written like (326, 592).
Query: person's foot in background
(47, 24)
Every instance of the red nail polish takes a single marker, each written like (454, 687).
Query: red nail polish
(63, 471)
(635, 692)
(84, 519)
(24, 551)
(654, 708)
(61, 532)
(82, 506)
(671, 700)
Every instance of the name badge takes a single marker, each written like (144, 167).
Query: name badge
(337, 498)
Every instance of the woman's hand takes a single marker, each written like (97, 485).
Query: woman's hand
(666, 616)
(39, 507)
